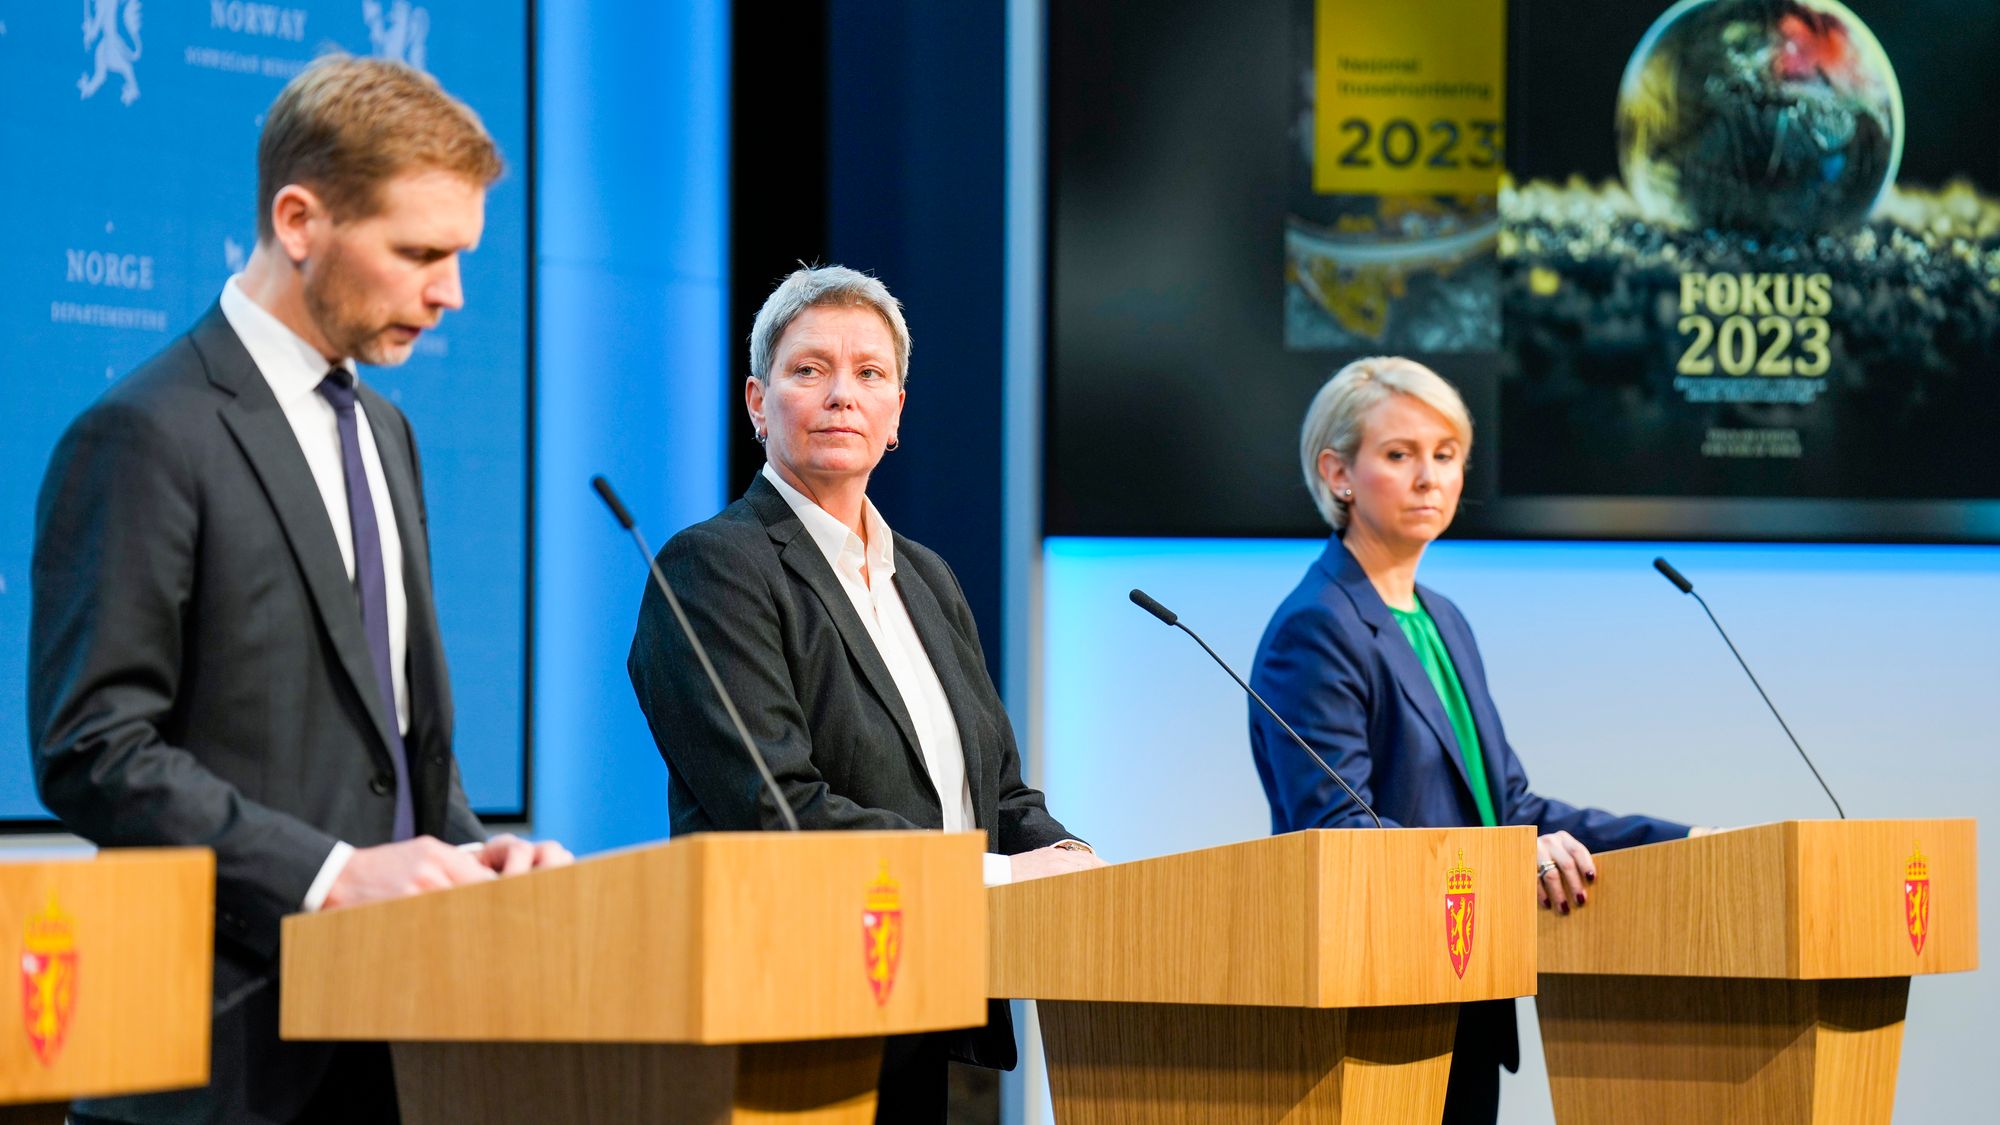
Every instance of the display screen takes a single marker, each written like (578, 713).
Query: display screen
(1718, 269)
(128, 138)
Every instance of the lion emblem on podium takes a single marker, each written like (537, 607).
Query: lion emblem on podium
(1458, 916)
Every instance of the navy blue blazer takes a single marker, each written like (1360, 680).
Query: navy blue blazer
(1336, 665)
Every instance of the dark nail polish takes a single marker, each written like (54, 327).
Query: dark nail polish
(1581, 898)
(1590, 876)
(1565, 908)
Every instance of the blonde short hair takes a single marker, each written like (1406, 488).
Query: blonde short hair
(345, 126)
(1334, 419)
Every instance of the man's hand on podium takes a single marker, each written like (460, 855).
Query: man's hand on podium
(1056, 859)
(429, 864)
(409, 867)
(508, 854)
(1562, 867)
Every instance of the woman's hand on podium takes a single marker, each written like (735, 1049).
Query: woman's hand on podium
(508, 854)
(409, 867)
(1562, 867)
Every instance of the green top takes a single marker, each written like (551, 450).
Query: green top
(1423, 636)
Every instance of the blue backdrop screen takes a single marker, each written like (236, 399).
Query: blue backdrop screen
(128, 138)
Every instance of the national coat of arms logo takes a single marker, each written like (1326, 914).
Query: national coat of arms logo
(48, 979)
(1917, 898)
(111, 31)
(882, 934)
(398, 32)
(1458, 915)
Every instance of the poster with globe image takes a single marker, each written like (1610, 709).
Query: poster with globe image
(1749, 257)
(1717, 269)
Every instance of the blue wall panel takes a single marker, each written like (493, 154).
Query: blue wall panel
(632, 344)
(129, 202)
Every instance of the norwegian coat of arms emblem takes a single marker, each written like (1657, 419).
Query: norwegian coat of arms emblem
(1458, 915)
(399, 32)
(48, 980)
(882, 934)
(114, 53)
(1917, 898)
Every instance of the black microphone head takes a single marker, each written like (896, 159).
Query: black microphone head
(1145, 601)
(1673, 576)
(611, 501)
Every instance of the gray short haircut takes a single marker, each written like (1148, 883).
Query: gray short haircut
(1334, 419)
(819, 287)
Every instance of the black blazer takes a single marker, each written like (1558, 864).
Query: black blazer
(816, 696)
(198, 675)
(813, 690)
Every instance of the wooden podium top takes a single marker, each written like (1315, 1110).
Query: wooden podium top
(1320, 919)
(1796, 900)
(711, 938)
(112, 958)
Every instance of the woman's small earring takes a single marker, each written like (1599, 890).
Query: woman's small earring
(891, 447)
(1345, 493)
(761, 437)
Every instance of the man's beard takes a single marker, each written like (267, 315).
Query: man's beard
(338, 309)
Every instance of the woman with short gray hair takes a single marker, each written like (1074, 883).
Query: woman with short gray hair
(850, 650)
(1382, 675)
(824, 287)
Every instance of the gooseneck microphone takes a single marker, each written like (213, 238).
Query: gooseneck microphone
(1167, 616)
(624, 519)
(1686, 587)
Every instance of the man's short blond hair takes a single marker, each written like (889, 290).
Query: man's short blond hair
(1334, 419)
(345, 126)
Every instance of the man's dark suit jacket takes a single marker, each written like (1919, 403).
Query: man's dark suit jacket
(816, 696)
(1336, 665)
(199, 676)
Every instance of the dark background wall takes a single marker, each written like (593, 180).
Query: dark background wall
(871, 133)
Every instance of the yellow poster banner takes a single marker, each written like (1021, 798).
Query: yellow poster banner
(1409, 96)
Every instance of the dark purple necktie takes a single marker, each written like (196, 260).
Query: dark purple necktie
(338, 389)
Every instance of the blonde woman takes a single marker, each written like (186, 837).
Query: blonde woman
(1383, 677)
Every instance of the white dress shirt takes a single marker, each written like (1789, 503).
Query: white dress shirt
(294, 370)
(880, 607)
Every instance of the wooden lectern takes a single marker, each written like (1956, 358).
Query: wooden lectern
(1311, 977)
(1755, 975)
(112, 957)
(725, 977)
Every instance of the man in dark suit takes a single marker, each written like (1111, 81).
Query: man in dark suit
(234, 643)
(849, 649)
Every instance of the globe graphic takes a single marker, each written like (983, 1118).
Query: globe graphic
(1759, 115)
